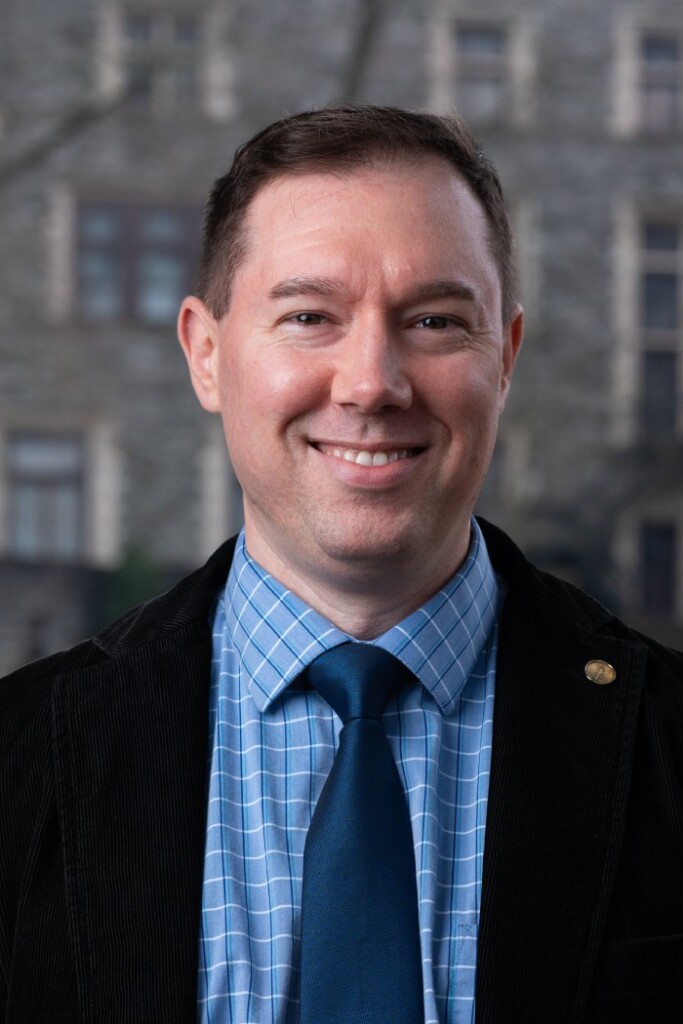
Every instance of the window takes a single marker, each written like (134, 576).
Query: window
(482, 71)
(167, 58)
(661, 82)
(161, 58)
(659, 394)
(661, 261)
(658, 555)
(135, 262)
(45, 495)
(485, 63)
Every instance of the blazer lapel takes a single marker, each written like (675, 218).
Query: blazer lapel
(131, 757)
(562, 753)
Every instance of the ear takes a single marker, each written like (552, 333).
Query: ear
(513, 333)
(198, 334)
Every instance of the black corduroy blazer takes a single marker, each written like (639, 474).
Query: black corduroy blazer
(103, 783)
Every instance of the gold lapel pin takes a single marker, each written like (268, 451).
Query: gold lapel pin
(600, 672)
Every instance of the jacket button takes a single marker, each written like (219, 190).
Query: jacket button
(600, 672)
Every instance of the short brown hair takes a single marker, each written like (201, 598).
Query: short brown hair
(343, 138)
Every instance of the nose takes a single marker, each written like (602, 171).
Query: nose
(370, 371)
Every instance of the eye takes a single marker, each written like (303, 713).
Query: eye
(307, 319)
(436, 323)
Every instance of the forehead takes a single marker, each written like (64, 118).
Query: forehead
(421, 212)
(431, 185)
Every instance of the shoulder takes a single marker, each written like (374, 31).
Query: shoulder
(550, 631)
(35, 699)
(553, 604)
(26, 693)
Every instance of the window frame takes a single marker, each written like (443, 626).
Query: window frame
(474, 68)
(521, 30)
(161, 56)
(633, 73)
(652, 74)
(650, 591)
(45, 486)
(129, 252)
(659, 339)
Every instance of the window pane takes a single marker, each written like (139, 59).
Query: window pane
(24, 521)
(481, 41)
(162, 226)
(45, 495)
(660, 49)
(102, 296)
(185, 29)
(481, 98)
(137, 27)
(660, 237)
(139, 81)
(45, 521)
(658, 545)
(659, 397)
(660, 301)
(660, 106)
(183, 84)
(99, 225)
(44, 457)
(65, 521)
(161, 285)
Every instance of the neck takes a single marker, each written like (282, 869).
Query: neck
(362, 600)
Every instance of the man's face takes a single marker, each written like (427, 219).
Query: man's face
(360, 371)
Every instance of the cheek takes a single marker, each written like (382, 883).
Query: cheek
(469, 396)
(486, 397)
(263, 392)
(293, 387)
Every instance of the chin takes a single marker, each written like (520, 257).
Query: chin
(364, 546)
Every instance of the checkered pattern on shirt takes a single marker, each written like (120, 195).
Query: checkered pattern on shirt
(273, 744)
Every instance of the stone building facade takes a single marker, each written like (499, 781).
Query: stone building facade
(114, 119)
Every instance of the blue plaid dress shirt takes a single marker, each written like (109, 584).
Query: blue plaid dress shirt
(272, 746)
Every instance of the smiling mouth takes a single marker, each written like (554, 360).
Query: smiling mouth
(363, 457)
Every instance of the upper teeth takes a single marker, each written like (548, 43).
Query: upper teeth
(365, 458)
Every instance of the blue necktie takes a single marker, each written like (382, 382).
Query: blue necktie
(360, 935)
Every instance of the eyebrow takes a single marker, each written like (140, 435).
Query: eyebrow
(305, 286)
(446, 289)
(440, 289)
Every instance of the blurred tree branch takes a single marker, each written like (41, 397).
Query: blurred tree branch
(66, 126)
(79, 118)
(370, 21)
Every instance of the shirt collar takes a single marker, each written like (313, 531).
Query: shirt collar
(277, 635)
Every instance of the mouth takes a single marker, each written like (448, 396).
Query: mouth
(366, 457)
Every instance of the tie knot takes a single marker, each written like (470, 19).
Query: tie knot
(357, 679)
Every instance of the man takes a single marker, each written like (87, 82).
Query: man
(356, 326)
